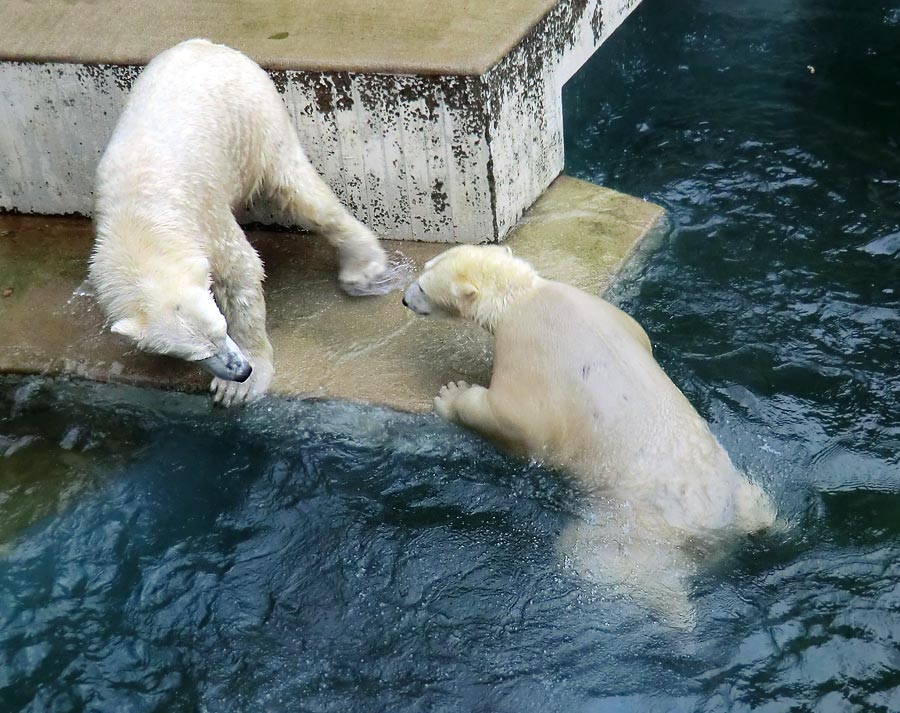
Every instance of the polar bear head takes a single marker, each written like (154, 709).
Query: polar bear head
(186, 325)
(164, 304)
(473, 282)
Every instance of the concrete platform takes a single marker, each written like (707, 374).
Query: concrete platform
(433, 120)
(326, 344)
(397, 37)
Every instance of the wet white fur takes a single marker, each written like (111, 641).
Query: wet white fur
(203, 132)
(575, 385)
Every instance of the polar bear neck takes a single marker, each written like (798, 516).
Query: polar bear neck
(496, 298)
(134, 255)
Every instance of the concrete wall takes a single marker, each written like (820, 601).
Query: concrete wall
(438, 158)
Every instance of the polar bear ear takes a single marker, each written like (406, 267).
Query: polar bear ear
(129, 327)
(464, 291)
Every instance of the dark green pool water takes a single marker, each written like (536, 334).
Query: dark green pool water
(158, 555)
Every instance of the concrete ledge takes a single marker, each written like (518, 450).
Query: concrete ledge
(326, 344)
(435, 121)
(398, 37)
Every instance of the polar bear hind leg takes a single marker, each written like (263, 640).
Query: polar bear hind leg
(650, 573)
(302, 193)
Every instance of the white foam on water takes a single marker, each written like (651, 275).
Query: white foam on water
(9, 445)
(23, 394)
(70, 439)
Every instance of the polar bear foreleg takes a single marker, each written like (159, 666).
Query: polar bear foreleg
(238, 291)
(302, 193)
(472, 408)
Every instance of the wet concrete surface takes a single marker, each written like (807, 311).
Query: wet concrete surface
(326, 344)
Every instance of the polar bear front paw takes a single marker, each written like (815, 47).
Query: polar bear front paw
(445, 401)
(230, 393)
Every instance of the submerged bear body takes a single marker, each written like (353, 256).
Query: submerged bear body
(575, 385)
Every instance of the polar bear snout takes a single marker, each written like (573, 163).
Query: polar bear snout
(229, 363)
(416, 300)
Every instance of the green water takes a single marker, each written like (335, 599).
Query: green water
(159, 555)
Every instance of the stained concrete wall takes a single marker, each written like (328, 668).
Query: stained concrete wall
(524, 102)
(453, 158)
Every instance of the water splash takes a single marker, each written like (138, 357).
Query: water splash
(85, 289)
(23, 394)
(9, 444)
(396, 276)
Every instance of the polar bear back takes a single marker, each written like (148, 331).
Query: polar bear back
(592, 401)
(200, 122)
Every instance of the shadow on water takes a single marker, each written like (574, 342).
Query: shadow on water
(158, 555)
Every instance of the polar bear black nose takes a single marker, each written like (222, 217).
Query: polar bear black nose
(405, 303)
(244, 373)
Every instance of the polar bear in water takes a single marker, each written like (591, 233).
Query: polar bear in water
(203, 132)
(575, 386)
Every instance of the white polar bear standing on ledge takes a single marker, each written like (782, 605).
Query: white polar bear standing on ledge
(204, 130)
(575, 386)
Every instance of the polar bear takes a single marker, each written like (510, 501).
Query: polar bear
(203, 132)
(575, 386)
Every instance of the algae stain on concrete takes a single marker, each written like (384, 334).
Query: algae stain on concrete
(23, 267)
